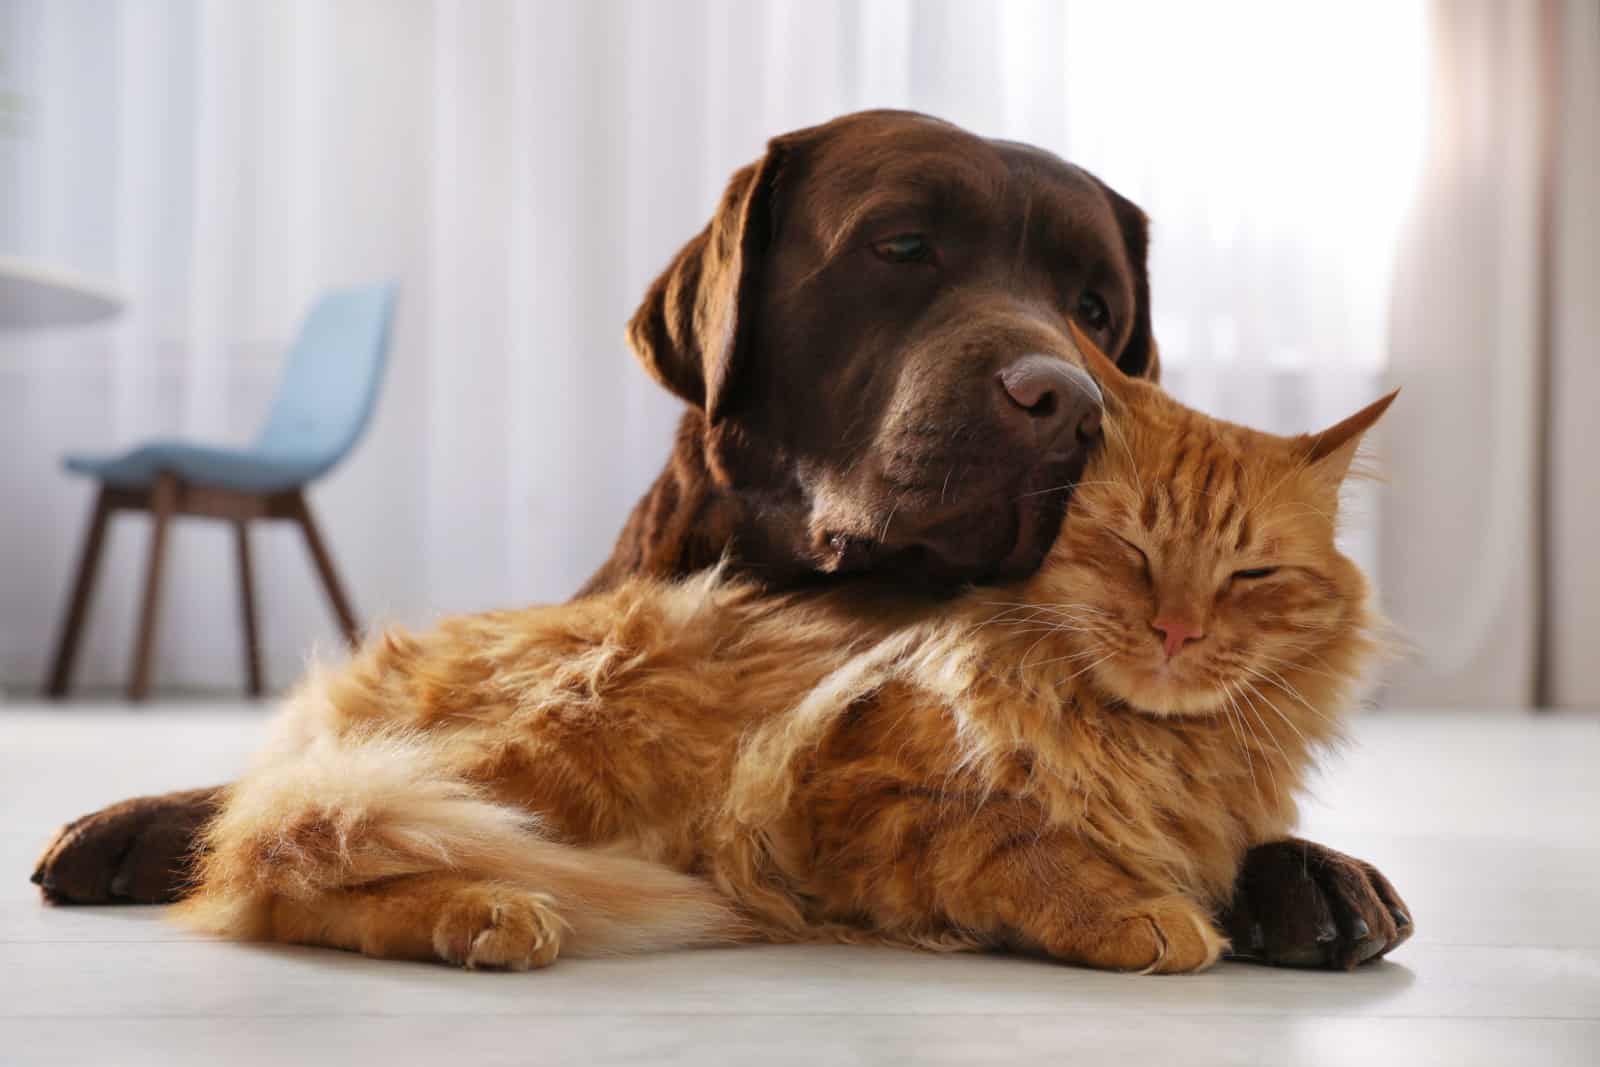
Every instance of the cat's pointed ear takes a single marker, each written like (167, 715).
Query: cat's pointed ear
(1330, 452)
(1111, 378)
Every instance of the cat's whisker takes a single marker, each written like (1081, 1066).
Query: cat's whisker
(1301, 508)
(1042, 626)
(1022, 664)
(1068, 617)
(1267, 674)
(1092, 666)
(1310, 653)
(1266, 763)
(1062, 626)
(1295, 468)
(884, 535)
(1073, 657)
(1044, 632)
(1228, 713)
(1305, 742)
(1245, 690)
(1036, 605)
(1284, 684)
(1300, 668)
(1065, 486)
(1114, 433)
(1028, 626)
(1013, 615)
(1014, 605)
(1273, 704)
(1013, 618)
(1044, 620)
(1023, 625)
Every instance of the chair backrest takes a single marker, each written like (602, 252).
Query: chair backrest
(330, 384)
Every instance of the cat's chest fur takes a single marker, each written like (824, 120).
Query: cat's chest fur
(925, 779)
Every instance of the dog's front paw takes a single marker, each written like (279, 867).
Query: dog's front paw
(497, 926)
(135, 852)
(1299, 904)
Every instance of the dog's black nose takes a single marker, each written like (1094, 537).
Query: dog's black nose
(1051, 400)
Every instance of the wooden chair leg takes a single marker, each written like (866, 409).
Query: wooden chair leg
(330, 580)
(247, 608)
(163, 501)
(78, 604)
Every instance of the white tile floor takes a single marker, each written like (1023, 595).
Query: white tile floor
(1487, 823)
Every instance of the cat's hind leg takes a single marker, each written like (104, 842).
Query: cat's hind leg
(446, 917)
(343, 812)
(348, 811)
(339, 824)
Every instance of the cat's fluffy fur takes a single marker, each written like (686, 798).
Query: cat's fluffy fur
(675, 764)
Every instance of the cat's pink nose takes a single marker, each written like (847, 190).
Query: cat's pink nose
(1176, 633)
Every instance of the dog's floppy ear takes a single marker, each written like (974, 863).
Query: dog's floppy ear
(692, 327)
(1139, 358)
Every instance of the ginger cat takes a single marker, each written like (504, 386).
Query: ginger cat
(1073, 765)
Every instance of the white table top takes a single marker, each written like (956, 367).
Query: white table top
(36, 294)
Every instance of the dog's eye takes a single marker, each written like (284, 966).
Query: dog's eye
(1093, 312)
(904, 248)
(1255, 572)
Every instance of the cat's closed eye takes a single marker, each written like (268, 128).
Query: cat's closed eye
(1144, 559)
(1255, 572)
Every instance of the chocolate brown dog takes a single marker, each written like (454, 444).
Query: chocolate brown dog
(871, 335)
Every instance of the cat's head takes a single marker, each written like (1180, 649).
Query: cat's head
(1197, 564)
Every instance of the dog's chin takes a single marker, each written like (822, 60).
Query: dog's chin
(1032, 512)
(1009, 544)
(999, 535)
(1038, 521)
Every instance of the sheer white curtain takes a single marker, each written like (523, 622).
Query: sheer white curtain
(1489, 539)
(524, 169)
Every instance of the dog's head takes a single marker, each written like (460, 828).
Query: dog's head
(875, 326)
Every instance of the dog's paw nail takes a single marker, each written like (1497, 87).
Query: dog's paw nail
(1368, 949)
(119, 886)
(1359, 930)
(1401, 919)
(37, 877)
(1327, 932)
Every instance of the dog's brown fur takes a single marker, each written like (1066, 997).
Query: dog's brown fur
(676, 763)
(842, 408)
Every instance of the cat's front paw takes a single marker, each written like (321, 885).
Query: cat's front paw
(500, 927)
(1165, 936)
(1299, 904)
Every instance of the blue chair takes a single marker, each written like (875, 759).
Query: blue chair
(324, 404)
